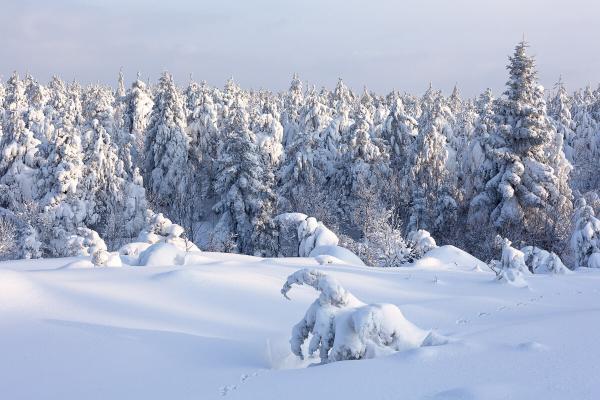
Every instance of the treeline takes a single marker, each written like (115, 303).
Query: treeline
(224, 162)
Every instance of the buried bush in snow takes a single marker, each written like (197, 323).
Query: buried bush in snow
(421, 242)
(161, 231)
(585, 240)
(511, 266)
(300, 234)
(87, 242)
(344, 328)
(540, 261)
(312, 234)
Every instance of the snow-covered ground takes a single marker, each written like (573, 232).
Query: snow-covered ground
(220, 329)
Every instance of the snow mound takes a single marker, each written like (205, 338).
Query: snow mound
(149, 249)
(450, 257)
(161, 254)
(83, 263)
(344, 328)
(338, 253)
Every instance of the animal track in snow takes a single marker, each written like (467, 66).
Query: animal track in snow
(225, 390)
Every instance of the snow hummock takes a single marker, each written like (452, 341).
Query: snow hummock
(340, 254)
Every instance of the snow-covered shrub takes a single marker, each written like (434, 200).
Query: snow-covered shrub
(421, 242)
(382, 243)
(300, 234)
(585, 239)
(313, 233)
(540, 261)
(162, 229)
(29, 242)
(511, 266)
(594, 261)
(344, 328)
(87, 242)
(18, 238)
(161, 236)
(8, 237)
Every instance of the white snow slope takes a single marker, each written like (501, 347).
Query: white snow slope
(220, 329)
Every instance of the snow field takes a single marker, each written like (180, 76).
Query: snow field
(220, 328)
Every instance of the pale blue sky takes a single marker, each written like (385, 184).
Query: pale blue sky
(381, 43)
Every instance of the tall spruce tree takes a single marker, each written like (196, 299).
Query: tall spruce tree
(527, 199)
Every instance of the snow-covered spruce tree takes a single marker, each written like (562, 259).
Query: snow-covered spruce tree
(528, 198)
(400, 130)
(244, 187)
(120, 195)
(204, 137)
(478, 165)
(166, 152)
(300, 179)
(345, 328)
(62, 205)
(366, 106)
(35, 120)
(103, 180)
(559, 109)
(192, 96)
(19, 159)
(136, 118)
(430, 181)
(455, 102)
(586, 144)
(269, 132)
(290, 116)
(341, 101)
(585, 239)
(120, 133)
(364, 164)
